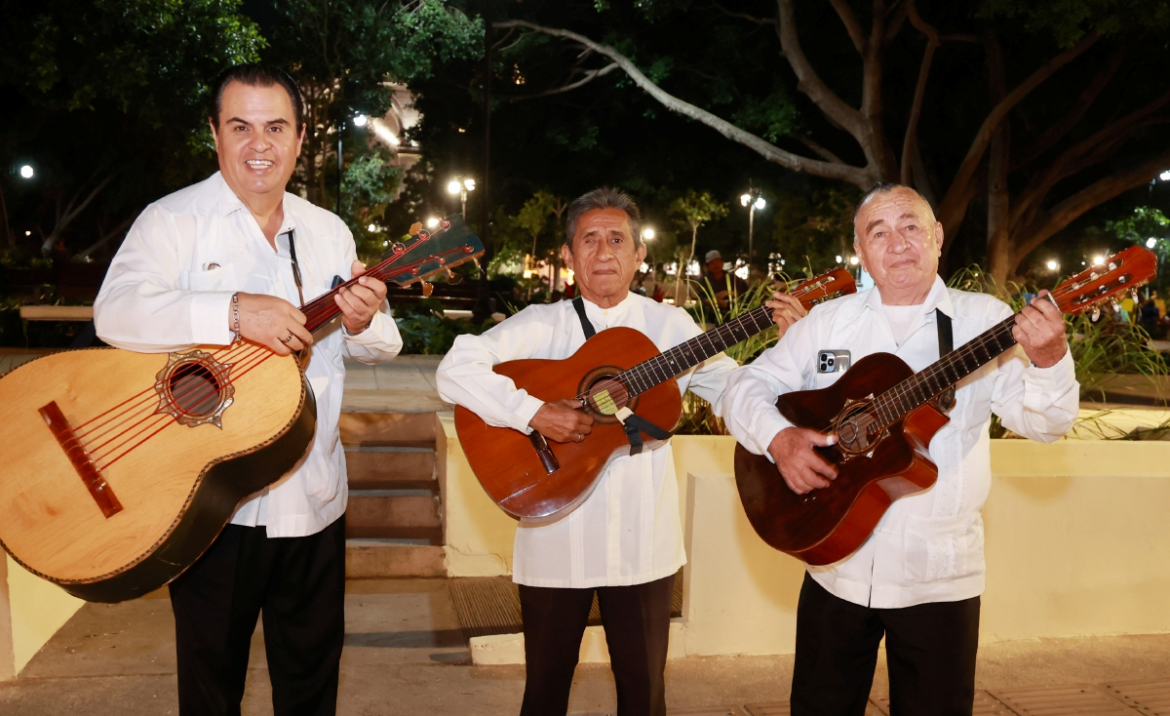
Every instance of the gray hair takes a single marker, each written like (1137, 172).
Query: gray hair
(884, 187)
(603, 198)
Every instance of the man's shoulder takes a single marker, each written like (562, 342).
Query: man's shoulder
(977, 305)
(198, 198)
(319, 221)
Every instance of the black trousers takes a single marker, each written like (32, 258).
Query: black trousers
(930, 654)
(637, 631)
(299, 585)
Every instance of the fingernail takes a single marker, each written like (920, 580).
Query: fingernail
(832, 440)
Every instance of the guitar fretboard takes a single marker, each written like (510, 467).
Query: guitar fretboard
(685, 356)
(893, 405)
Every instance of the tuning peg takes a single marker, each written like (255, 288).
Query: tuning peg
(1115, 304)
(1096, 314)
(427, 289)
(477, 266)
(453, 278)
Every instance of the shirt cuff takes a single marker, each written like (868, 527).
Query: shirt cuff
(771, 422)
(1058, 373)
(526, 412)
(210, 317)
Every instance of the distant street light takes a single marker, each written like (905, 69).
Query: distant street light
(460, 186)
(752, 200)
(838, 259)
(853, 260)
(360, 120)
(1053, 265)
(1165, 176)
(1098, 260)
(432, 222)
(26, 172)
(647, 234)
(1151, 242)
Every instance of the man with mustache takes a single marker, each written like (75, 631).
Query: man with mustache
(624, 542)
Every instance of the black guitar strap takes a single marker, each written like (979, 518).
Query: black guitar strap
(632, 423)
(579, 307)
(946, 342)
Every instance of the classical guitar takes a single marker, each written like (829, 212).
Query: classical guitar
(885, 416)
(121, 468)
(535, 480)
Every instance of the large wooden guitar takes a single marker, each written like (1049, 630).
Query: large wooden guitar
(535, 480)
(885, 416)
(121, 468)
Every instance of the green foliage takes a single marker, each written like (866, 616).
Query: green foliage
(698, 417)
(809, 231)
(425, 330)
(540, 217)
(368, 187)
(772, 117)
(1070, 20)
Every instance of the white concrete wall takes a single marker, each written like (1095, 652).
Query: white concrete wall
(1076, 546)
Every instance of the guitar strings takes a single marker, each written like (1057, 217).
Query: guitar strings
(122, 427)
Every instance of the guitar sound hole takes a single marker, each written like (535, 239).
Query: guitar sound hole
(195, 390)
(605, 395)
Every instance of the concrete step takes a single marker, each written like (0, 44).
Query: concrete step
(391, 468)
(390, 559)
(388, 429)
(394, 513)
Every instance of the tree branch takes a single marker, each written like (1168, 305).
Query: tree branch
(105, 238)
(810, 83)
(852, 26)
(745, 16)
(1027, 238)
(589, 77)
(910, 141)
(1058, 131)
(817, 148)
(983, 136)
(71, 213)
(895, 23)
(1072, 159)
(828, 170)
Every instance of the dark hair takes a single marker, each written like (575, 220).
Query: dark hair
(257, 75)
(603, 198)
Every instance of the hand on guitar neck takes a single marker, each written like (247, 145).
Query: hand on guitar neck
(786, 310)
(280, 326)
(562, 421)
(1039, 330)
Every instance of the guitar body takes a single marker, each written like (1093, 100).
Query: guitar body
(505, 460)
(176, 489)
(829, 524)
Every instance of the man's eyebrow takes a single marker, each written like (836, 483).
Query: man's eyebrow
(870, 225)
(269, 123)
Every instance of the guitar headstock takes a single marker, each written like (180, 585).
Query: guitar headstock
(1125, 271)
(427, 253)
(838, 282)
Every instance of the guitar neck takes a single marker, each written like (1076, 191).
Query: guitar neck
(685, 356)
(894, 404)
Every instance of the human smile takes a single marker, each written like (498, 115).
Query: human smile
(260, 163)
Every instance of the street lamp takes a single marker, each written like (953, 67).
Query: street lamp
(432, 222)
(1053, 265)
(460, 186)
(647, 234)
(26, 172)
(752, 200)
(1151, 242)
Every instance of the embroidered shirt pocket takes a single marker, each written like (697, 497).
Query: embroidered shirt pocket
(215, 278)
(942, 548)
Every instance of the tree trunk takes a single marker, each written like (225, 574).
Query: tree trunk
(998, 200)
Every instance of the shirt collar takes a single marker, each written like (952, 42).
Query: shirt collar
(228, 203)
(938, 297)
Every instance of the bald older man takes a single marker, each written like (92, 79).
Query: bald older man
(916, 581)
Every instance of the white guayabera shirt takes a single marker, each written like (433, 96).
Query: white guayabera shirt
(928, 547)
(170, 288)
(627, 531)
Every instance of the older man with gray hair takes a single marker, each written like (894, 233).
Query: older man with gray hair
(624, 542)
(916, 581)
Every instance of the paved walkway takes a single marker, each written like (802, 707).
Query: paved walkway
(405, 654)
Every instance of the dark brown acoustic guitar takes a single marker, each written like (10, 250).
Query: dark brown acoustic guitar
(885, 416)
(121, 468)
(535, 480)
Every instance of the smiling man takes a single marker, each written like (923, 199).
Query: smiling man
(917, 580)
(624, 542)
(230, 259)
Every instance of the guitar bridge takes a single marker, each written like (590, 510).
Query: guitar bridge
(98, 488)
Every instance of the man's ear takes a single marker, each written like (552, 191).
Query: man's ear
(214, 133)
(641, 253)
(938, 236)
(567, 257)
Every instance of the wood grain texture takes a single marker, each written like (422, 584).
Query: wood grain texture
(829, 524)
(52, 525)
(504, 460)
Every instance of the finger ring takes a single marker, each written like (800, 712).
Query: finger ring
(580, 437)
(286, 339)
